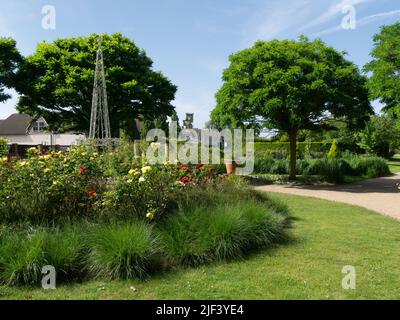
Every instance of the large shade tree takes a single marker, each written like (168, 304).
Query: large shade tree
(57, 82)
(10, 59)
(385, 68)
(290, 86)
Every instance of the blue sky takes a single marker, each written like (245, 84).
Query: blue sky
(190, 40)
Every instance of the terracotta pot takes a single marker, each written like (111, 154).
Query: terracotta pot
(230, 167)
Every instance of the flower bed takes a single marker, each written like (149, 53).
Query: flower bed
(88, 218)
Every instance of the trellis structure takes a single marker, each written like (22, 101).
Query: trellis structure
(100, 129)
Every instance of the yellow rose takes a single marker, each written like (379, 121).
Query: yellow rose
(129, 181)
(150, 215)
(146, 169)
(46, 170)
(132, 171)
(142, 179)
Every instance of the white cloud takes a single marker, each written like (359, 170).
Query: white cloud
(332, 12)
(360, 22)
(276, 19)
(378, 16)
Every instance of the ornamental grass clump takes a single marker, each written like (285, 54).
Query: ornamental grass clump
(21, 258)
(222, 232)
(122, 250)
(64, 250)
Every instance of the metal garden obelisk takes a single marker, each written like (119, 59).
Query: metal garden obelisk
(99, 119)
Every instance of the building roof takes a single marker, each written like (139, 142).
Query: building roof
(16, 124)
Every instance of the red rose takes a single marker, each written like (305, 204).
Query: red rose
(92, 193)
(189, 171)
(185, 180)
(200, 165)
(82, 170)
(183, 166)
(88, 206)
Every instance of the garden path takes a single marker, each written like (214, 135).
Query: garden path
(380, 195)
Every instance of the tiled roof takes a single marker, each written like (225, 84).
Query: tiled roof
(16, 124)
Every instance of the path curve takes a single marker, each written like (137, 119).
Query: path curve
(380, 195)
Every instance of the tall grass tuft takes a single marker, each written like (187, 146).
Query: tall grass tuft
(126, 250)
(21, 258)
(222, 232)
(63, 249)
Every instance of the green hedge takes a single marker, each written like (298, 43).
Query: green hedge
(282, 149)
(331, 170)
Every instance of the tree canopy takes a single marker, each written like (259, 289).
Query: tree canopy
(9, 62)
(291, 85)
(57, 82)
(384, 82)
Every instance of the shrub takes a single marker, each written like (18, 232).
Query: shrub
(334, 151)
(3, 147)
(263, 164)
(330, 170)
(380, 136)
(126, 250)
(49, 186)
(371, 167)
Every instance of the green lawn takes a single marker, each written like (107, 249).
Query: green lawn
(326, 237)
(394, 164)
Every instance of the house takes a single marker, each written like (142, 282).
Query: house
(23, 130)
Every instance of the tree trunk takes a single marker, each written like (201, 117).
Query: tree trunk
(293, 155)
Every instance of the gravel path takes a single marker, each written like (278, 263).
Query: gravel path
(380, 195)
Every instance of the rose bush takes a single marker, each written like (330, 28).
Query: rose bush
(49, 185)
(79, 183)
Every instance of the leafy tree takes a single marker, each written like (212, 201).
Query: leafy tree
(381, 136)
(291, 85)
(57, 82)
(384, 83)
(10, 59)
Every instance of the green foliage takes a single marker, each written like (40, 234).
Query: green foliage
(127, 250)
(10, 60)
(291, 85)
(381, 136)
(370, 167)
(21, 257)
(281, 150)
(330, 170)
(334, 151)
(3, 147)
(384, 83)
(223, 232)
(218, 220)
(60, 75)
(327, 169)
(63, 249)
(49, 187)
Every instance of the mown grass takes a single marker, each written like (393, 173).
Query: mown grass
(327, 236)
(394, 164)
